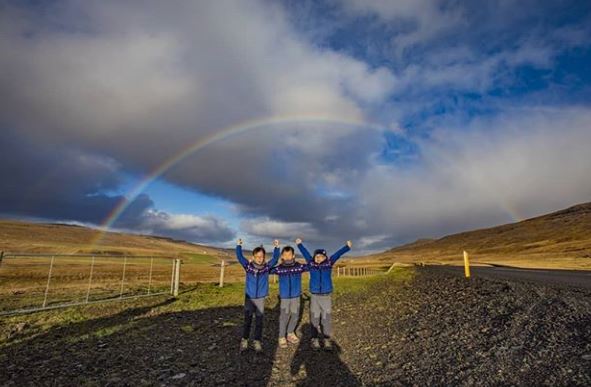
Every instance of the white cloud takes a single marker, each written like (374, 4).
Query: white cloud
(204, 229)
(266, 227)
(418, 21)
(518, 165)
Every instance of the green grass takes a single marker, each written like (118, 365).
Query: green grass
(200, 296)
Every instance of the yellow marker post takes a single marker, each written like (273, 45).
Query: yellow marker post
(466, 264)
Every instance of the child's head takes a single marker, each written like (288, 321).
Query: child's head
(258, 255)
(319, 255)
(287, 253)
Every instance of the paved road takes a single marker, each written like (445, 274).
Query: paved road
(568, 278)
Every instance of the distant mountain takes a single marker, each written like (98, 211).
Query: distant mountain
(560, 239)
(28, 237)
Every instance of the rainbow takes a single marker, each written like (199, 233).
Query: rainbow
(201, 143)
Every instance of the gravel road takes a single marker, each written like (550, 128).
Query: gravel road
(566, 278)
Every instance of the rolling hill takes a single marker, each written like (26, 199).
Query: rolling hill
(560, 239)
(28, 237)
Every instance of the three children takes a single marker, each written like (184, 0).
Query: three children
(289, 272)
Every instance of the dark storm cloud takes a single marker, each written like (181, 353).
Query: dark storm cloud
(55, 181)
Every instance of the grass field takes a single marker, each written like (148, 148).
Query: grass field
(195, 297)
(76, 279)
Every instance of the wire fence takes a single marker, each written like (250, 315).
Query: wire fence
(34, 282)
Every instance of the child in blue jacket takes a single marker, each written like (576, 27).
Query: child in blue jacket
(321, 288)
(290, 289)
(256, 289)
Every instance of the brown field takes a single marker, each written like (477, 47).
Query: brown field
(23, 279)
(26, 237)
(560, 240)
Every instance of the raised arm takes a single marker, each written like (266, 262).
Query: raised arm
(303, 250)
(275, 259)
(335, 257)
(243, 261)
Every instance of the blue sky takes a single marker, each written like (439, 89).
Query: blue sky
(391, 121)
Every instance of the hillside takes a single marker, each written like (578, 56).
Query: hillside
(27, 237)
(559, 239)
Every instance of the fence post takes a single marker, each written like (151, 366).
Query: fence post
(222, 268)
(172, 276)
(466, 264)
(1, 257)
(150, 275)
(123, 276)
(48, 280)
(90, 279)
(391, 267)
(177, 277)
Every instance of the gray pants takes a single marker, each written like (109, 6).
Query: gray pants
(320, 315)
(256, 307)
(290, 313)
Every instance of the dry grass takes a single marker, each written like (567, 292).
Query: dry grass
(558, 240)
(18, 236)
(23, 280)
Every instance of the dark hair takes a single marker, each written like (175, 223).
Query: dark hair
(287, 248)
(258, 249)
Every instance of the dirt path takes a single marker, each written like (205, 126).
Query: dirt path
(436, 329)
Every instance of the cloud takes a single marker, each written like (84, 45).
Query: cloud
(416, 21)
(207, 229)
(113, 88)
(497, 170)
(136, 85)
(54, 181)
(266, 227)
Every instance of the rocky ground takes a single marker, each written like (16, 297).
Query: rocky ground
(437, 328)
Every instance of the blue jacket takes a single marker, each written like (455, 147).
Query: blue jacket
(257, 279)
(290, 279)
(321, 273)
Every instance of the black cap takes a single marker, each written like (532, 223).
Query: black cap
(320, 251)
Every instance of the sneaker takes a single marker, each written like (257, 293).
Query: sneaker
(258, 346)
(315, 344)
(292, 338)
(328, 345)
(282, 342)
(243, 345)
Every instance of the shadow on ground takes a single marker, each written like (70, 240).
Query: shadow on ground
(320, 367)
(138, 347)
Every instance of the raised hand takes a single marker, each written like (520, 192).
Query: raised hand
(276, 243)
(350, 244)
(239, 243)
(298, 241)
